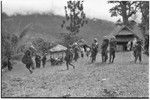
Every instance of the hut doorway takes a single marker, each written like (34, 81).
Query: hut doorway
(122, 46)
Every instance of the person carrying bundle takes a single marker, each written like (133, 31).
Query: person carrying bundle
(27, 60)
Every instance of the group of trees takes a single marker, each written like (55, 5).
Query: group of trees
(10, 41)
(126, 9)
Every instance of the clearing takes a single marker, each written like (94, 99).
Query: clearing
(123, 78)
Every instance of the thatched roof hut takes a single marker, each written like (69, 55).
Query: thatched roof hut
(124, 34)
(58, 48)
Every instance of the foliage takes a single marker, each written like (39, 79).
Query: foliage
(124, 8)
(75, 19)
(7, 47)
(41, 45)
(75, 16)
(4, 16)
(144, 8)
(69, 39)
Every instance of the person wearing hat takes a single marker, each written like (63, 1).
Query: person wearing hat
(68, 57)
(112, 49)
(104, 51)
(94, 50)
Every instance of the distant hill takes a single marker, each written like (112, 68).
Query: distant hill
(48, 27)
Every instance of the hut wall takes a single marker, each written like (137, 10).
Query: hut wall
(122, 41)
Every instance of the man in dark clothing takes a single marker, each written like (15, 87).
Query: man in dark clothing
(138, 51)
(44, 60)
(68, 58)
(76, 50)
(9, 64)
(38, 61)
(112, 50)
(27, 60)
(104, 47)
(94, 50)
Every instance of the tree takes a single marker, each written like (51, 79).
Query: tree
(124, 8)
(41, 45)
(75, 18)
(4, 16)
(144, 9)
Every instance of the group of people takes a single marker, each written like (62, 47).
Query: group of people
(74, 52)
(108, 50)
(108, 46)
(28, 61)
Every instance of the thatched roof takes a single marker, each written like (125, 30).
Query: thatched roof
(58, 48)
(119, 30)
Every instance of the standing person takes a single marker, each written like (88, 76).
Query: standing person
(76, 50)
(27, 60)
(129, 46)
(94, 50)
(138, 51)
(9, 64)
(38, 61)
(112, 50)
(82, 52)
(134, 45)
(88, 51)
(44, 60)
(104, 51)
(68, 58)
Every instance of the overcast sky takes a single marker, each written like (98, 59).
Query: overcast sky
(93, 8)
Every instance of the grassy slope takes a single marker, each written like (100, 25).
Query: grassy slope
(122, 79)
(48, 27)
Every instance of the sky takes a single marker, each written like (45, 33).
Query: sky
(93, 8)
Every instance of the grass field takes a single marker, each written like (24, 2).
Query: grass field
(123, 78)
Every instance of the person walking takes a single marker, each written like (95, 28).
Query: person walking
(68, 58)
(27, 60)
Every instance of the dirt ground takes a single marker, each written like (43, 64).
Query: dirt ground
(123, 78)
